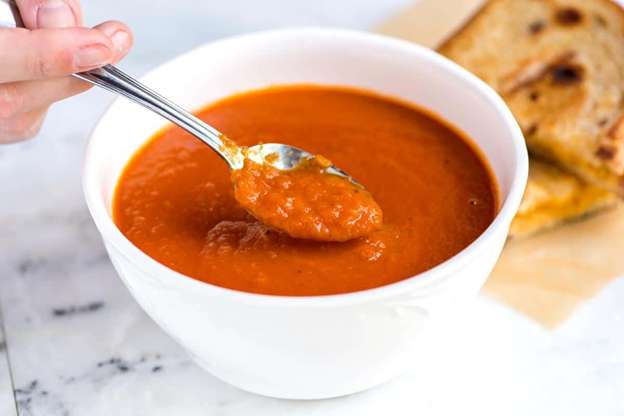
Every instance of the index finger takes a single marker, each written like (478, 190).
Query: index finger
(50, 14)
(50, 53)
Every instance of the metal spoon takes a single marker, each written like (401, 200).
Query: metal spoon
(280, 156)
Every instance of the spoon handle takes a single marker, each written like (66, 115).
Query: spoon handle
(115, 80)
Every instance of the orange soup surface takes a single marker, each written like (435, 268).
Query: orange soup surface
(175, 200)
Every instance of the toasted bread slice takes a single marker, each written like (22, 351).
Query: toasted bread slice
(553, 197)
(559, 65)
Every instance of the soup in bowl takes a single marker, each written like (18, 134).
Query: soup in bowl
(284, 316)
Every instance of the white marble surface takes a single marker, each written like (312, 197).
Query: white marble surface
(79, 344)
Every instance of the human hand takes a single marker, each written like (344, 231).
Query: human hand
(35, 63)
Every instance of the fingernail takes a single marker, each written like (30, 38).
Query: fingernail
(54, 14)
(92, 56)
(121, 40)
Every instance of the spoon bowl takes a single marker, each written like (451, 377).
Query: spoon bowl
(285, 157)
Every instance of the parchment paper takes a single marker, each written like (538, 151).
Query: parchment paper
(549, 275)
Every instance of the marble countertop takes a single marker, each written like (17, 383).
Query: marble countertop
(73, 341)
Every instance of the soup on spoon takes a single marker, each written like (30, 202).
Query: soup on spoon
(306, 201)
(301, 194)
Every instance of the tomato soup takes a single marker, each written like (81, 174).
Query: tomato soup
(175, 200)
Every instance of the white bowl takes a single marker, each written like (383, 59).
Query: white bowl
(308, 347)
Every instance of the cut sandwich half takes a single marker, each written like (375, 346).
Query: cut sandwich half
(559, 65)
